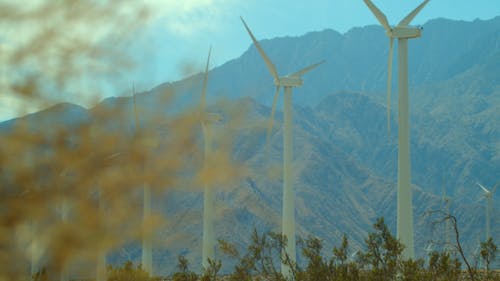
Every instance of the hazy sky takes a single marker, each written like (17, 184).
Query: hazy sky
(180, 40)
(175, 41)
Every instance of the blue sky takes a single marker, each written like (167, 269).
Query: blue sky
(179, 42)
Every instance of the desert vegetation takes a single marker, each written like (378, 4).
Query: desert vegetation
(381, 259)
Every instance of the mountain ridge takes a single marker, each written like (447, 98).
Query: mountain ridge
(345, 159)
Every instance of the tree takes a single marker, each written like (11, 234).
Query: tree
(317, 267)
(342, 269)
(127, 273)
(444, 217)
(184, 274)
(383, 253)
(488, 253)
(413, 270)
(260, 258)
(210, 273)
(443, 267)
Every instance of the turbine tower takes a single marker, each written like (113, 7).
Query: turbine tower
(402, 32)
(65, 209)
(206, 120)
(101, 274)
(101, 254)
(488, 194)
(287, 82)
(34, 249)
(147, 253)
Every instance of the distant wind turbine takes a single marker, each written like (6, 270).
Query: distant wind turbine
(488, 194)
(207, 119)
(287, 82)
(428, 250)
(354, 255)
(147, 252)
(402, 32)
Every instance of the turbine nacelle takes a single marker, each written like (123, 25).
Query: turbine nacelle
(401, 31)
(291, 80)
(487, 193)
(210, 117)
(288, 81)
(405, 32)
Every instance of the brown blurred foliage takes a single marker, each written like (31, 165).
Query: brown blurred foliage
(49, 45)
(74, 191)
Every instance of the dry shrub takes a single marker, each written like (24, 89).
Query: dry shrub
(72, 189)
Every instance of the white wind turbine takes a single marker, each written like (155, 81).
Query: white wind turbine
(488, 194)
(428, 251)
(206, 120)
(147, 252)
(402, 32)
(287, 82)
(101, 255)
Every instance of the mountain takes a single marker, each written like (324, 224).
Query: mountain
(345, 159)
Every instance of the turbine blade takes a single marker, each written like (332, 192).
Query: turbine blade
(269, 63)
(378, 14)
(389, 84)
(495, 187)
(483, 188)
(271, 120)
(306, 69)
(406, 21)
(205, 82)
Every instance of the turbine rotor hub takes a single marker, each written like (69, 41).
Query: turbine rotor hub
(288, 81)
(405, 32)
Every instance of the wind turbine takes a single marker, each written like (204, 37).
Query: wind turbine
(206, 120)
(428, 250)
(287, 82)
(64, 208)
(147, 253)
(101, 255)
(35, 250)
(402, 32)
(354, 255)
(488, 194)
